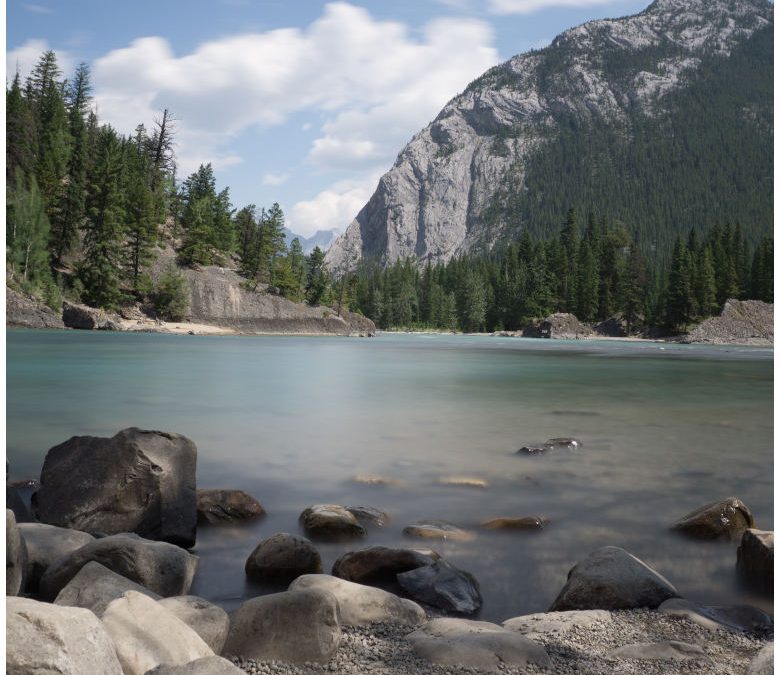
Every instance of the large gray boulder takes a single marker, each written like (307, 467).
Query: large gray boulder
(560, 326)
(138, 481)
(611, 578)
(545, 624)
(756, 560)
(380, 563)
(46, 543)
(207, 665)
(444, 586)
(42, 638)
(95, 587)
(207, 620)
(227, 506)
(294, 626)
(83, 317)
(360, 605)
(282, 557)
(15, 556)
(475, 644)
(331, 522)
(163, 568)
(726, 519)
(147, 635)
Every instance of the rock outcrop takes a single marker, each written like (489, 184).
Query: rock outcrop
(22, 311)
(740, 322)
(559, 326)
(83, 317)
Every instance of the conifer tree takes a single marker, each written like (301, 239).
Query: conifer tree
(316, 277)
(27, 234)
(679, 293)
(20, 130)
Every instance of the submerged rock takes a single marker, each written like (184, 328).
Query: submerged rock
(726, 519)
(381, 564)
(756, 560)
(227, 506)
(518, 523)
(137, 481)
(437, 529)
(571, 444)
(330, 521)
(475, 644)
(444, 586)
(368, 515)
(611, 578)
(283, 557)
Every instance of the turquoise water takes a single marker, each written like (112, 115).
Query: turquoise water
(292, 420)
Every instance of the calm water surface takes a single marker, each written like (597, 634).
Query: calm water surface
(292, 420)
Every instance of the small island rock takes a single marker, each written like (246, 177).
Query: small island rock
(516, 523)
(726, 519)
(227, 506)
(332, 522)
(380, 563)
(437, 529)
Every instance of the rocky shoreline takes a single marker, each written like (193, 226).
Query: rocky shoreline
(98, 576)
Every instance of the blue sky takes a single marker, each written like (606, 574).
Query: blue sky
(301, 102)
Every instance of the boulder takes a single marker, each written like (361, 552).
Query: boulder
(726, 519)
(227, 506)
(463, 481)
(283, 557)
(26, 311)
(475, 644)
(332, 522)
(42, 638)
(739, 618)
(756, 560)
(368, 515)
(518, 523)
(611, 578)
(360, 604)
(210, 622)
(570, 444)
(558, 623)
(208, 665)
(380, 564)
(437, 529)
(561, 326)
(15, 502)
(138, 481)
(88, 318)
(95, 587)
(15, 556)
(444, 586)
(763, 662)
(670, 650)
(46, 543)
(614, 326)
(294, 626)
(163, 568)
(146, 635)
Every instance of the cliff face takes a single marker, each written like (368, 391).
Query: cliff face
(500, 153)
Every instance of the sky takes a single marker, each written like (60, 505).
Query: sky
(293, 101)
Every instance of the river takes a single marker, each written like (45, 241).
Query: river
(291, 420)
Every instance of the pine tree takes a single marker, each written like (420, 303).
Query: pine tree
(587, 283)
(27, 234)
(20, 136)
(679, 294)
(141, 227)
(705, 287)
(632, 287)
(316, 277)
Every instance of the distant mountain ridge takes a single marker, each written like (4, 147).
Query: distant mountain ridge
(662, 120)
(321, 238)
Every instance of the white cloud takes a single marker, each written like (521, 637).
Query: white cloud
(37, 9)
(374, 82)
(270, 178)
(531, 6)
(26, 56)
(335, 207)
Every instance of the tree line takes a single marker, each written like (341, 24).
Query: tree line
(88, 209)
(595, 272)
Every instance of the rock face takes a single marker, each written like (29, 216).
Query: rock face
(475, 644)
(726, 519)
(332, 522)
(95, 587)
(163, 568)
(147, 635)
(740, 322)
(210, 622)
(22, 311)
(360, 604)
(756, 560)
(560, 326)
(44, 638)
(227, 506)
(46, 543)
(88, 318)
(294, 626)
(283, 557)
(138, 481)
(444, 586)
(15, 556)
(474, 175)
(611, 578)
(381, 564)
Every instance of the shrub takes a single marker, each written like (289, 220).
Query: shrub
(170, 299)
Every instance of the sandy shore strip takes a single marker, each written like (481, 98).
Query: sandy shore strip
(183, 328)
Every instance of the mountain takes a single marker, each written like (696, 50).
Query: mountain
(662, 120)
(321, 238)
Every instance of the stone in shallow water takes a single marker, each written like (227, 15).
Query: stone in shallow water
(283, 557)
(475, 644)
(726, 519)
(381, 564)
(515, 523)
(444, 586)
(368, 515)
(463, 481)
(558, 623)
(741, 618)
(571, 444)
(437, 529)
(611, 578)
(330, 521)
(661, 651)
(227, 506)
(756, 560)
